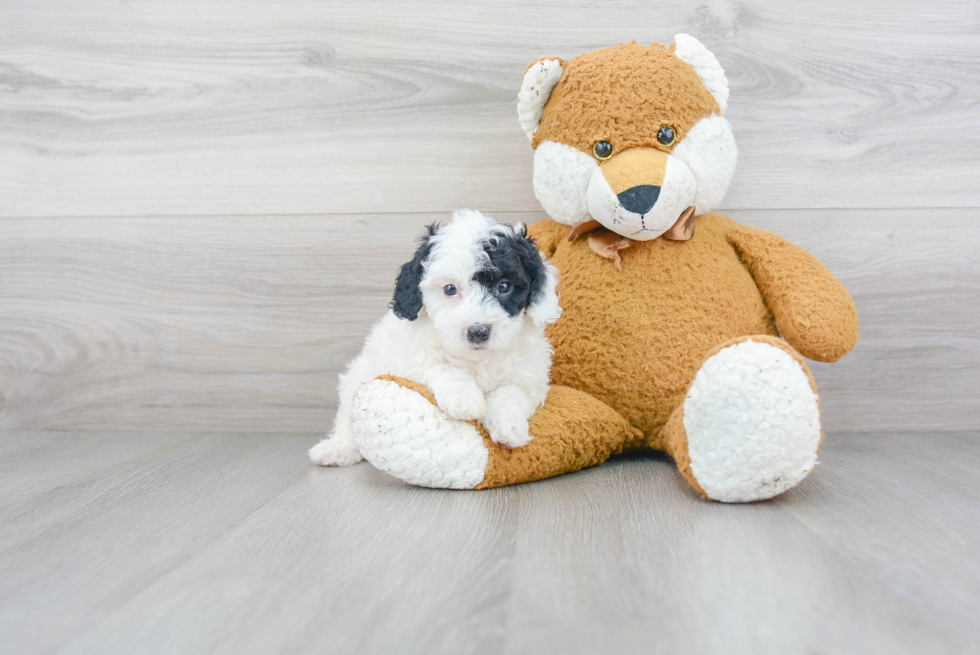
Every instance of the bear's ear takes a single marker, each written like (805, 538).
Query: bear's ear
(539, 81)
(705, 64)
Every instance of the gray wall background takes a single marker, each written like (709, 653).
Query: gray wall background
(203, 204)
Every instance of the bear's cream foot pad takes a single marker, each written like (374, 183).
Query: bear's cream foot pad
(402, 433)
(752, 420)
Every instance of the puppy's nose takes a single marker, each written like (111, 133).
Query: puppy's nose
(639, 199)
(478, 333)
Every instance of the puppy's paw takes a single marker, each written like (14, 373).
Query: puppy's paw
(465, 403)
(509, 429)
(335, 451)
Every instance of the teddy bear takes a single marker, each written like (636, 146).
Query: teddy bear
(682, 331)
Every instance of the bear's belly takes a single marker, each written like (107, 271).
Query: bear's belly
(635, 338)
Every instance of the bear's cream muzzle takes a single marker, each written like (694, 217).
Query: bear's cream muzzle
(642, 193)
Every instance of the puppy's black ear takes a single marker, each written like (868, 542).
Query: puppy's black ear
(543, 304)
(407, 302)
(531, 260)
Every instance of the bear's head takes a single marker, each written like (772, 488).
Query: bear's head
(630, 136)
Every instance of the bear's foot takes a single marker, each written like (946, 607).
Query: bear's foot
(752, 422)
(402, 432)
(398, 427)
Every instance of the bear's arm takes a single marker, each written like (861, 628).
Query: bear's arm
(546, 235)
(813, 310)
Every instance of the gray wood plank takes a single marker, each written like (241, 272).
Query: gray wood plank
(912, 513)
(243, 323)
(155, 512)
(33, 462)
(304, 106)
(240, 546)
(655, 569)
(88, 547)
(358, 565)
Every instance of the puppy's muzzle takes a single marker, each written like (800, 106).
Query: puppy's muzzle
(478, 334)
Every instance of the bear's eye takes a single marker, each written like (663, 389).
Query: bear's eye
(602, 150)
(450, 289)
(666, 136)
(504, 287)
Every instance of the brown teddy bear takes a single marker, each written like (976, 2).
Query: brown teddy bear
(682, 331)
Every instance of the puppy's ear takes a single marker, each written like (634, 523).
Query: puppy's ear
(543, 308)
(407, 302)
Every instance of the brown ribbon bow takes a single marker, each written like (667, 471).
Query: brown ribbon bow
(606, 243)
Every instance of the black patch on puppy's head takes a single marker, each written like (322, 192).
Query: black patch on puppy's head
(513, 258)
(407, 301)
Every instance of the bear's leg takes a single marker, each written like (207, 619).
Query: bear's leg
(749, 428)
(400, 430)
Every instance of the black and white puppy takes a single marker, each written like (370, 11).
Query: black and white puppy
(467, 321)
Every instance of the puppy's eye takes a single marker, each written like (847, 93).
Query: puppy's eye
(450, 289)
(666, 136)
(602, 150)
(504, 287)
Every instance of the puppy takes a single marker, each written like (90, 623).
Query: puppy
(467, 321)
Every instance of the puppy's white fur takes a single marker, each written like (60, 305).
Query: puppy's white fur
(501, 383)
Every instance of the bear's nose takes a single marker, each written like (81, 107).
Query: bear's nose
(477, 334)
(639, 199)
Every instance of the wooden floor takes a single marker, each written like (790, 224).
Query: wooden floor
(233, 543)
